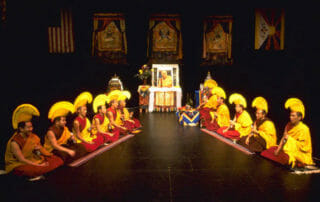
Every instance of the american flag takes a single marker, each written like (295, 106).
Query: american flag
(61, 38)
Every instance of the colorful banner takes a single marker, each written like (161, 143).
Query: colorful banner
(269, 29)
(109, 43)
(164, 39)
(61, 38)
(3, 11)
(217, 40)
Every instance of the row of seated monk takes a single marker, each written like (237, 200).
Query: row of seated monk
(26, 156)
(259, 136)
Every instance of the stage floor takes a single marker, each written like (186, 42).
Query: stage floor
(167, 162)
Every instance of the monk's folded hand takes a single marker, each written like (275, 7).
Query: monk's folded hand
(44, 164)
(71, 153)
(247, 140)
(276, 152)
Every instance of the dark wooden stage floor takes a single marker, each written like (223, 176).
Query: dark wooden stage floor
(168, 162)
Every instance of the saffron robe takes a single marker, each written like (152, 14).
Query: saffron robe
(27, 148)
(298, 147)
(242, 127)
(222, 118)
(85, 127)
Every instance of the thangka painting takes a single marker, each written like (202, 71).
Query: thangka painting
(164, 39)
(109, 43)
(217, 40)
(3, 11)
(269, 29)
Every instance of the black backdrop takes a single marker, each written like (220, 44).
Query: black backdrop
(31, 75)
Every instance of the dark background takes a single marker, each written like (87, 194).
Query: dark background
(31, 75)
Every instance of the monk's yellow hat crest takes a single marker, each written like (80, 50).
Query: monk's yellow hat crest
(23, 113)
(295, 105)
(219, 92)
(113, 95)
(260, 103)
(82, 100)
(237, 98)
(124, 95)
(61, 108)
(210, 83)
(99, 100)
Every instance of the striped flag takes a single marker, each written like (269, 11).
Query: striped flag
(269, 29)
(61, 38)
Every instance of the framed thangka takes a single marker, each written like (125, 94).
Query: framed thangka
(3, 12)
(109, 43)
(164, 39)
(217, 40)
(269, 29)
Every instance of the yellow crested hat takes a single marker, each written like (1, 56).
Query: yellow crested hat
(113, 95)
(101, 99)
(219, 92)
(295, 105)
(210, 83)
(260, 103)
(23, 113)
(124, 95)
(237, 98)
(61, 108)
(82, 99)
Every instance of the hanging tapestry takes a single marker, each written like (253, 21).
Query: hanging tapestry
(60, 35)
(269, 29)
(3, 11)
(109, 43)
(217, 40)
(164, 39)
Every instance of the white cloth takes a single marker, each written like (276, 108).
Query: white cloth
(156, 89)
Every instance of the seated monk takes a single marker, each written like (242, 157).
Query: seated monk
(205, 108)
(124, 118)
(220, 117)
(58, 139)
(295, 147)
(100, 122)
(263, 134)
(113, 97)
(24, 154)
(82, 125)
(241, 124)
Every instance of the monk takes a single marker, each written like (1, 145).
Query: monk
(112, 116)
(82, 125)
(59, 139)
(82, 131)
(125, 118)
(241, 123)
(205, 107)
(295, 147)
(25, 155)
(221, 116)
(100, 126)
(263, 134)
